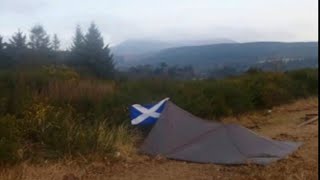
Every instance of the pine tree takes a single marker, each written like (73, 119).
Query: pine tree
(94, 41)
(1, 43)
(55, 43)
(78, 40)
(97, 55)
(77, 49)
(5, 60)
(17, 47)
(107, 63)
(18, 41)
(39, 40)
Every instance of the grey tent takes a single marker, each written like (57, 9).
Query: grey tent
(180, 135)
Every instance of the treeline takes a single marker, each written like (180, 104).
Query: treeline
(88, 52)
(188, 72)
(162, 70)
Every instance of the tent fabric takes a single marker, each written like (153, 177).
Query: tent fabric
(182, 136)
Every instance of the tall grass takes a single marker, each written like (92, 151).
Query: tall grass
(51, 132)
(73, 90)
(53, 112)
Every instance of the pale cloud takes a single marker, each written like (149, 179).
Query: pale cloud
(240, 20)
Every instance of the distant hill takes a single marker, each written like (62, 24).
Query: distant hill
(132, 50)
(204, 42)
(233, 54)
(134, 47)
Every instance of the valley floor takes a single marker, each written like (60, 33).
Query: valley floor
(281, 123)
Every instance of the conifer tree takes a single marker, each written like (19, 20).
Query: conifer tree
(97, 54)
(18, 41)
(77, 48)
(1, 43)
(39, 40)
(5, 60)
(55, 43)
(78, 40)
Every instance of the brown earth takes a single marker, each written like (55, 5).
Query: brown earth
(279, 123)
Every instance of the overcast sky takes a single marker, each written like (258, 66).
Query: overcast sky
(240, 20)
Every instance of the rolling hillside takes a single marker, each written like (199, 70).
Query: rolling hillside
(233, 54)
(132, 51)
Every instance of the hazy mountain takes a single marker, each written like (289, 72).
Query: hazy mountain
(203, 42)
(133, 47)
(233, 54)
(132, 50)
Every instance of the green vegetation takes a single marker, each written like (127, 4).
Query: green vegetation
(52, 112)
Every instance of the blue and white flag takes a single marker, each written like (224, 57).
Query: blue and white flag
(146, 114)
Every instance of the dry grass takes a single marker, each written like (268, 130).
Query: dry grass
(73, 90)
(120, 139)
(281, 124)
(284, 114)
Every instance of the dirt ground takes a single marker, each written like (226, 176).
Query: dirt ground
(279, 123)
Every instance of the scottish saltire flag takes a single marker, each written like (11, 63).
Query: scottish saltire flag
(146, 114)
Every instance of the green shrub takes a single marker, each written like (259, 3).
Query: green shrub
(9, 139)
(269, 89)
(54, 132)
(305, 82)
